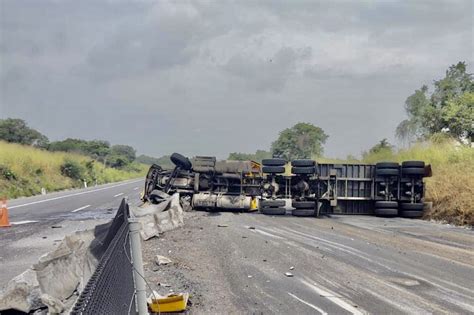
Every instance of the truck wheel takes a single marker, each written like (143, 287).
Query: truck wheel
(411, 214)
(302, 170)
(386, 165)
(417, 164)
(273, 169)
(414, 171)
(303, 204)
(387, 172)
(386, 204)
(303, 162)
(412, 206)
(274, 162)
(272, 203)
(303, 212)
(273, 211)
(386, 212)
(181, 161)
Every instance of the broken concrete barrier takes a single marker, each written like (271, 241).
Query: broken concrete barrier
(55, 277)
(159, 218)
(68, 267)
(22, 293)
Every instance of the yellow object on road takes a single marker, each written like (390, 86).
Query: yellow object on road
(170, 303)
(253, 204)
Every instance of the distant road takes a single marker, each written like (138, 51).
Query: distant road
(40, 222)
(68, 203)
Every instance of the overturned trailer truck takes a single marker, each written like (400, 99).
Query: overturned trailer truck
(301, 187)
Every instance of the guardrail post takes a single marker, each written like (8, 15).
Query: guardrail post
(137, 261)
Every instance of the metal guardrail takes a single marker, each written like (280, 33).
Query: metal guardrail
(111, 288)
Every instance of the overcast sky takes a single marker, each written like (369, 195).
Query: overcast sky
(212, 77)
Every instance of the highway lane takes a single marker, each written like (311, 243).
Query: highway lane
(40, 222)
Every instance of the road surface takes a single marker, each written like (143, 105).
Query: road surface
(40, 222)
(236, 263)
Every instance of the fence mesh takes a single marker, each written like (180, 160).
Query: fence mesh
(110, 290)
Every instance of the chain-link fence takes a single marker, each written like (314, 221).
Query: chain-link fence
(110, 290)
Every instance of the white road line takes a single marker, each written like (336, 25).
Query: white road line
(136, 188)
(333, 298)
(118, 195)
(81, 208)
(72, 195)
(22, 222)
(309, 304)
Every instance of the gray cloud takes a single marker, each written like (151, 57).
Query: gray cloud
(214, 77)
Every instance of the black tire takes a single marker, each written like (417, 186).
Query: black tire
(417, 164)
(273, 211)
(387, 165)
(386, 204)
(411, 214)
(303, 162)
(181, 161)
(303, 204)
(387, 172)
(272, 203)
(413, 171)
(303, 170)
(303, 212)
(412, 206)
(274, 162)
(273, 169)
(386, 212)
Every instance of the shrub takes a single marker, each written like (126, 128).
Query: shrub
(72, 169)
(7, 173)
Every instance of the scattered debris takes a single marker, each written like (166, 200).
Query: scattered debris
(162, 260)
(288, 274)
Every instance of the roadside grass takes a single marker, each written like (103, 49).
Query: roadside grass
(451, 188)
(24, 170)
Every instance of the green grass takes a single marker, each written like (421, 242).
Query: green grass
(451, 188)
(24, 170)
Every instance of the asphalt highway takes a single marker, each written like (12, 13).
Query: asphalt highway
(39, 223)
(239, 263)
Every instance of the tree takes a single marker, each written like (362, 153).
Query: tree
(458, 114)
(383, 145)
(17, 131)
(303, 140)
(126, 151)
(448, 109)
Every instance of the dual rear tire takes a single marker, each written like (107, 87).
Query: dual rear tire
(303, 208)
(393, 209)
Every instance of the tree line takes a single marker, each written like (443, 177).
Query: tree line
(117, 156)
